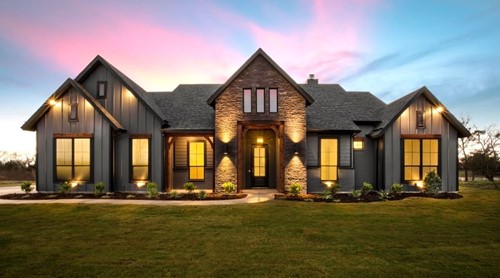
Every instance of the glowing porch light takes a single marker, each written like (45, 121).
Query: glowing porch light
(260, 140)
(53, 102)
(439, 109)
(140, 184)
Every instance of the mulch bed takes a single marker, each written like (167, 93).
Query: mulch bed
(120, 196)
(370, 197)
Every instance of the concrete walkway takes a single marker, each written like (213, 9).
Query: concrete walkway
(253, 196)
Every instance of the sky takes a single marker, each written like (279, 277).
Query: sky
(387, 47)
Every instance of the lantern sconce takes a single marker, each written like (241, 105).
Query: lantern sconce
(225, 148)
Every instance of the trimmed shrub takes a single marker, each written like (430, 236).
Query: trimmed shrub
(228, 187)
(64, 187)
(26, 187)
(99, 188)
(202, 195)
(189, 186)
(432, 183)
(295, 189)
(396, 189)
(367, 187)
(152, 189)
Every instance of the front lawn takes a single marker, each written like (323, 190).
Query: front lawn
(411, 237)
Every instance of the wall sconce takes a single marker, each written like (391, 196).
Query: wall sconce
(439, 109)
(140, 184)
(260, 140)
(225, 147)
(296, 148)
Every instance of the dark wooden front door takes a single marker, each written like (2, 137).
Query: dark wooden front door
(259, 166)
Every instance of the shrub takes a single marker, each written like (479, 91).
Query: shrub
(189, 186)
(152, 189)
(327, 194)
(367, 187)
(383, 194)
(64, 187)
(99, 188)
(334, 188)
(396, 189)
(295, 189)
(202, 195)
(174, 194)
(26, 187)
(432, 183)
(355, 193)
(228, 187)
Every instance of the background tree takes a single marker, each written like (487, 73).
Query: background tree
(485, 159)
(465, 145)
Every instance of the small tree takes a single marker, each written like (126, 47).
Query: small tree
(432, 183)
(464, 145)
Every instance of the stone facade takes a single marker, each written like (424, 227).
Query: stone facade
(229, 111)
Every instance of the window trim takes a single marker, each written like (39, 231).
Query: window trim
(131, 138)
(250, 100)
(421, 166)
(277, 100)
(204, 159)
(73, 136)
(257, 100)
(319, 156)
(105, 83)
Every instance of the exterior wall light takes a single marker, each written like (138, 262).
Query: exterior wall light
(260, 140)
(225, 147)
(296, 149)
(439, 109)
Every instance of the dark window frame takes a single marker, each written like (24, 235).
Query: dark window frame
(131, 167)
(73, 112)
(263, 90)
(204, 159)
(98, 95)
(277, 100)
(420, 120)
(250, 100)
(338, 156)
(421, 165)
(73, 137)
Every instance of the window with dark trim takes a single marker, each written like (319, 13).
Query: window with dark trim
(102, 89)
(73, 107)
(140, 158)
(420, 119)
(420, 156)
(196, 155)
(273, 100)
(73, 159)
(358, 144)
(247, 100)
(260, 100)
(328, 159)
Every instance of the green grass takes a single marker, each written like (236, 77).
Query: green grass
(412, 237)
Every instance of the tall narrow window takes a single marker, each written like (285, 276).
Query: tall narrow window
(247, 100)
(329, 159)
(140, 159)
(73, 108)
(260, 100)
(273, 100)
(421, 156)
(420, 119)
(197, 160)
(73, 159)
(102, 87)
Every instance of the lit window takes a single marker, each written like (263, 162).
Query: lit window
(329, 159)
(197, 160)
(260, 100)
(273, 100)
(73, 159)
(247, 100)
(259, 161)
(140, 159)
(102, 87)
(358, 144)
(420, 119)
(421, 156)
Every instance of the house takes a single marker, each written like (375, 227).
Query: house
(258, 129)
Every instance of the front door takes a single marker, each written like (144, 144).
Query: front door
(259, 166)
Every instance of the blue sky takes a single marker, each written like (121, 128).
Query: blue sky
(389, 48)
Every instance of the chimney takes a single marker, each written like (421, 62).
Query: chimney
(312, 80)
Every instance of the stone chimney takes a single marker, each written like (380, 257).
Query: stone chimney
(312, 80)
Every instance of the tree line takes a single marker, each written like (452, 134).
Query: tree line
(16, 161)
(479, 153)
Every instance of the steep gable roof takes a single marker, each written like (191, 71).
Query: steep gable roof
(137, 90)
(31, 123)
(395, 108)
(186, 107)
(260, 52)
(336, 109)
